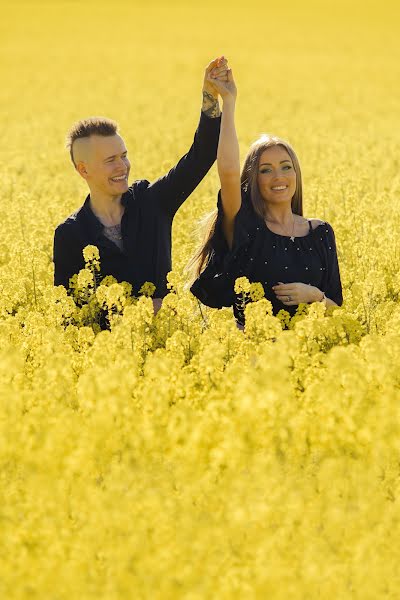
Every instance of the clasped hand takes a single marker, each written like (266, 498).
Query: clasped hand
(216, 72)
(292, 294)
(220, 78)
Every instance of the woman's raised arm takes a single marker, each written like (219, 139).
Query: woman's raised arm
(228, 159)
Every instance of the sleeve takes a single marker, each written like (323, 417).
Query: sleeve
(246, 222)
(172, 189)
(67, 256)
(215, 285)
(333, 286)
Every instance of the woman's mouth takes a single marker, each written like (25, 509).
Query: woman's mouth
(279, 188)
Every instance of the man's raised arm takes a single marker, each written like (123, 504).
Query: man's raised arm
(172, 189)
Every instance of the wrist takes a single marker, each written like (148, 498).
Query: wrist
(319, 295)
(210, 92)
(229, 102)
(210, 105)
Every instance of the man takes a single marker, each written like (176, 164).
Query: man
(131, 225)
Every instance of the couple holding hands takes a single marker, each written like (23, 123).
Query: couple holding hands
(257, 231)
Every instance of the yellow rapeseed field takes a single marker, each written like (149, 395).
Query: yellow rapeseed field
(176, 457)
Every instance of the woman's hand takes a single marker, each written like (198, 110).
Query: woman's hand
(224, 84)
(219, 68)
(292, 294)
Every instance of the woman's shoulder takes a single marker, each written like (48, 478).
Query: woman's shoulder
(315, 223)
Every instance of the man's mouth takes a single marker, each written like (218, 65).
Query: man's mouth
(120, 178)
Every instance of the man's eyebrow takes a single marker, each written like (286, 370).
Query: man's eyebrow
(282, 161)
(114, 155)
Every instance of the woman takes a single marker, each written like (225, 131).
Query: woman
(258, 230)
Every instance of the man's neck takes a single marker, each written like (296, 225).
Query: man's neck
(108, 209)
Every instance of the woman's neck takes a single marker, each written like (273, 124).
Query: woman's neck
(282, 215)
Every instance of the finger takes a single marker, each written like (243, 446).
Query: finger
(219, 85)
(286, 294)
(222, 76)
(284, 289)
(219, 70)
(213, 80)
(219, 75)
(214, 63)
(211, 66)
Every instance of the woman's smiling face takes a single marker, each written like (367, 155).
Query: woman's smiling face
(276, 175)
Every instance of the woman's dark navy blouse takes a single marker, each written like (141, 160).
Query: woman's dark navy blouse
(267, 257)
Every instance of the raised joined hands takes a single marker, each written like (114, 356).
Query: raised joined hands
(219, 69)
(223, 82)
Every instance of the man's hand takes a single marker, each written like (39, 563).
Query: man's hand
(219, 69)
(224, 84)
(292, 294)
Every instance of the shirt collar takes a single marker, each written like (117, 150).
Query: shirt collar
(95, 225)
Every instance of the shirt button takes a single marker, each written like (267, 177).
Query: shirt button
(286, 267)
(306, 268)
(285, 248)
(273, 246)
(298, 248)
(326, 230)
(310, 248)
(330, 247)
(320, 268)
(265, 262)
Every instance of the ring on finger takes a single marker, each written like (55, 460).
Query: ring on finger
(289, 298)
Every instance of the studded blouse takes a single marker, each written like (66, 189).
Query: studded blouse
(267, 257)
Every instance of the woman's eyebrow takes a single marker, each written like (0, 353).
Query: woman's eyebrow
(282, 161)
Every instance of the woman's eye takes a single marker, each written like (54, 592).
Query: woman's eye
(287, 167)
(265, 170)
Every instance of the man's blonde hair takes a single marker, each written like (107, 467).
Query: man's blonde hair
(87, 127)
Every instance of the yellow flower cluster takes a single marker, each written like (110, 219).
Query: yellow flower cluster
(174, 455)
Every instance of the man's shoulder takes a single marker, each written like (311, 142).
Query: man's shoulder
(71, 223)
(139, 186)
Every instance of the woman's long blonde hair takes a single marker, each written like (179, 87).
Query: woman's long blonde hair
(248, 180)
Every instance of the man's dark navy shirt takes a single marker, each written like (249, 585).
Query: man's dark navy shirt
(146, 223)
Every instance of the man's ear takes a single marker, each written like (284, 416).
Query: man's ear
(81, 168)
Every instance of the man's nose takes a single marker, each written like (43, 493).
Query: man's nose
(123, 162)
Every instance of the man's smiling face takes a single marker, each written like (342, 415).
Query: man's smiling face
(103, 162)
